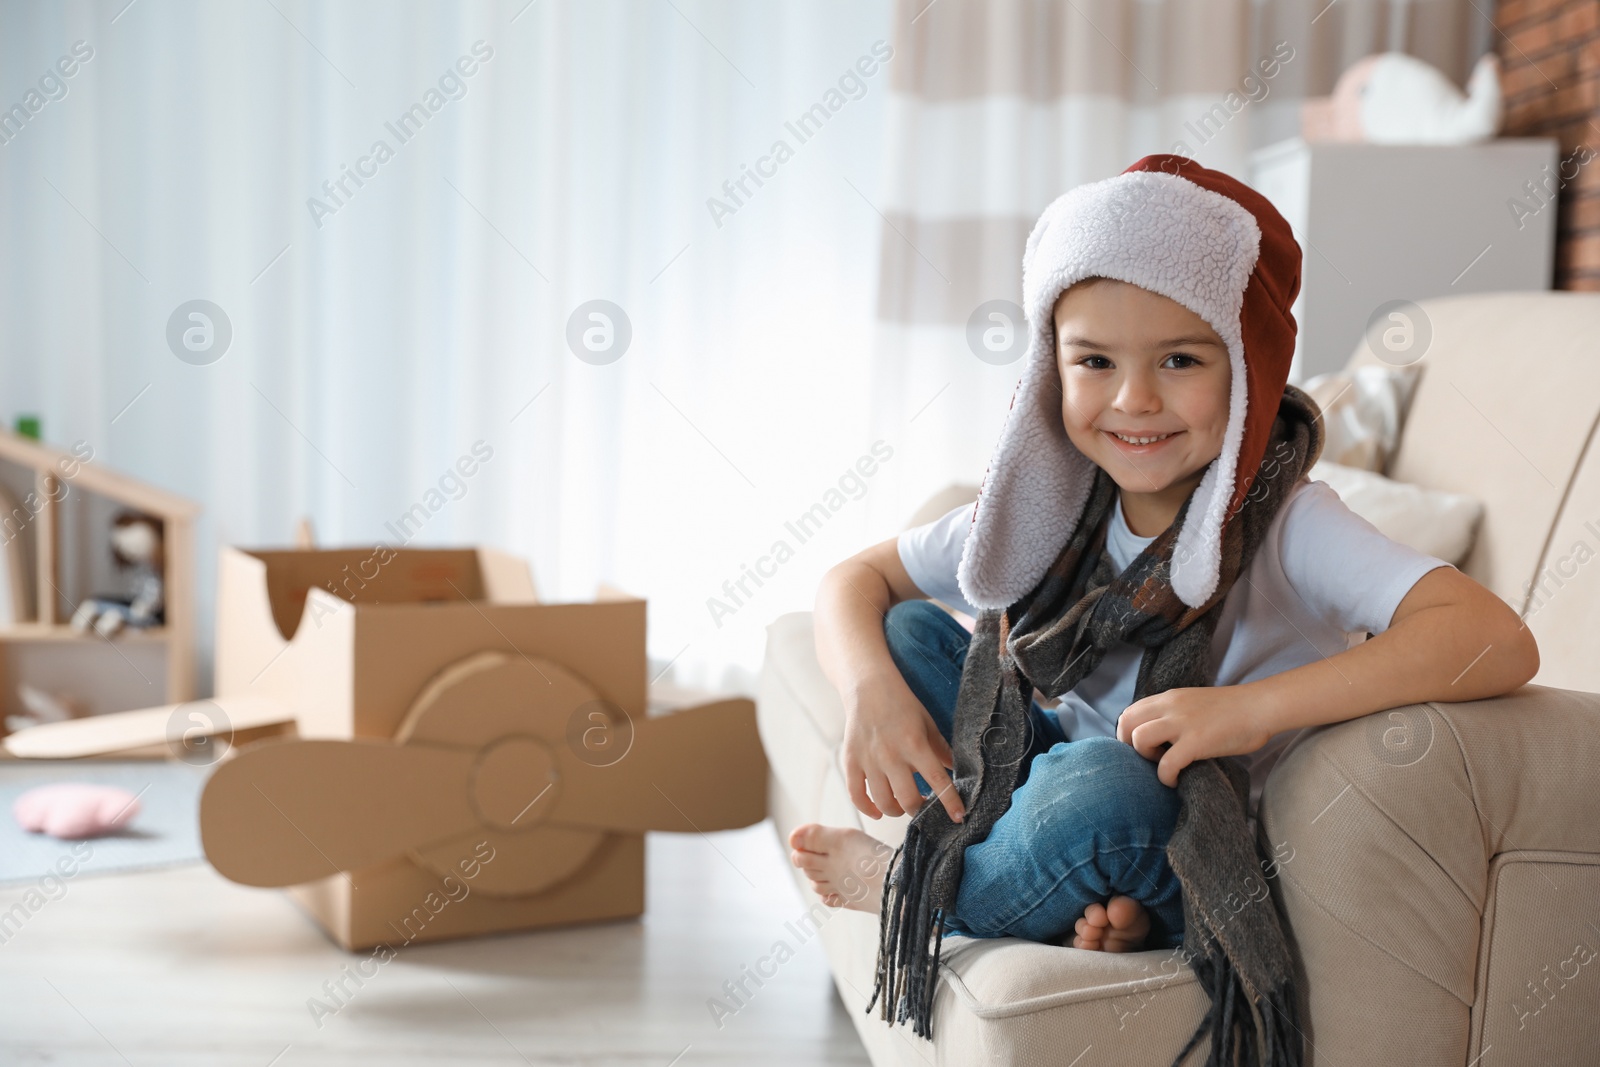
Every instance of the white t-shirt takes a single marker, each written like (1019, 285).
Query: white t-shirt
(1321, 581)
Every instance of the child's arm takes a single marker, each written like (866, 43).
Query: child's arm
(1450, 639)
(888, 734)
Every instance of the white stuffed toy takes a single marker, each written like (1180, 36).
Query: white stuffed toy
(1393, 98)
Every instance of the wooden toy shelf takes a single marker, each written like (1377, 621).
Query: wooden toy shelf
(42, 648)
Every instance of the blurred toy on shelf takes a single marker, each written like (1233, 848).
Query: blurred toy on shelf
(136, 545)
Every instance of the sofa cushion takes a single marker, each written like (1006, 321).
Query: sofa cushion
(1363, 410)
(1429, 520)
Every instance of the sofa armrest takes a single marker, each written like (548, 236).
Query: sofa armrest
(1392, 831)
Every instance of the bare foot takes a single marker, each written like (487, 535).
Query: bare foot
(1120, 926)
(846, 866)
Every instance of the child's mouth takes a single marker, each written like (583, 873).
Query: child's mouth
(1140, 444)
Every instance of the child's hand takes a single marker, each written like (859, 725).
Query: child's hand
(888, 736)
(1180, 726)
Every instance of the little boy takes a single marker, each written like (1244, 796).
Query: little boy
(1159, 304)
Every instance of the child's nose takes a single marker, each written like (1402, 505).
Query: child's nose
(1138, 394)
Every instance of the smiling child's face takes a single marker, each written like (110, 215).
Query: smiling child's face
(1134, 364)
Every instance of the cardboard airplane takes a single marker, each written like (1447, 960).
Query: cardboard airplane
(434, 752)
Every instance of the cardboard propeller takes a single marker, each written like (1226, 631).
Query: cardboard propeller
(513, 750)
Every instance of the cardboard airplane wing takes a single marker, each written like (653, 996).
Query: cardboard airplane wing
(182, 730)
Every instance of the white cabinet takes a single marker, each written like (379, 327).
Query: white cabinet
(1381, 223)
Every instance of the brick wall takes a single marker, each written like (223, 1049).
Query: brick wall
(1550, 70)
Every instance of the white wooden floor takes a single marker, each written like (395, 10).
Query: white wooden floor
(180, 967)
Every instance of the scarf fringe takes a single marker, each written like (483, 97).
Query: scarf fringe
(1243, 1030)
(910, 936)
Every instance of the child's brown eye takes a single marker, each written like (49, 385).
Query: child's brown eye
(1188, 360)
(1094, 362)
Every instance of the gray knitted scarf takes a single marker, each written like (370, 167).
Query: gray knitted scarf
(1049, 640)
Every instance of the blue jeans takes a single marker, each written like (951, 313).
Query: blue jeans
(1089, 822)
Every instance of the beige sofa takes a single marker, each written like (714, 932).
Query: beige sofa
(1443, 882)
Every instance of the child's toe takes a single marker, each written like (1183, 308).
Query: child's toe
(805, 837)
(1124, 912)
(807, 861)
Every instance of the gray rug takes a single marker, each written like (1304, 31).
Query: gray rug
(165, 833)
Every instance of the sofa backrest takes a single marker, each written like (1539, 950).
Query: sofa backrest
(1505, 411)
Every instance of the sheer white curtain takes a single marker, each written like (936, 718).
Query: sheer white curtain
(377, 337)
(795, 204)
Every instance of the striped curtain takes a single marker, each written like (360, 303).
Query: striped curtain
(997, 108)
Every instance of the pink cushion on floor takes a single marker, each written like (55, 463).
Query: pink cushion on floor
(75, 809)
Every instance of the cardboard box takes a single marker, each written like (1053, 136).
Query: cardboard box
(468, 759)
(450, 653)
